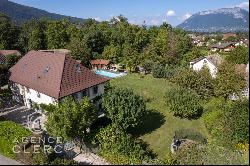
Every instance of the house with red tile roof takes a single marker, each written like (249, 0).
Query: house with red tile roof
(5, 53)
(100, 64)
(45, 77)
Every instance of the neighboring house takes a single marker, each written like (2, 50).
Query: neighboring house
(211, 61)
(226, 47)
(227, 35)
(45, 77)
(100, 64)
(64, 51)
(5, 53)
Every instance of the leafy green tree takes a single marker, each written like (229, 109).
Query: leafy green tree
(5, 29)
(193, 54)
(70, 119)
(227, 121)
(32, 35)
(123, 107)
(148, 65)
(112, 53)
(239, 55)
(120, 148)
(184, 103)
(95, 40)
(80, 50)
(201, 82)
(56, 34)
(159, 71)
(131, 57)
(11, 60)
(228, 81)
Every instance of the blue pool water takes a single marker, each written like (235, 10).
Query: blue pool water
(109, 74)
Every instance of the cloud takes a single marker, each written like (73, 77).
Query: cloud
(155, 22)
(170, 13)
(97, 18)
(243, 5)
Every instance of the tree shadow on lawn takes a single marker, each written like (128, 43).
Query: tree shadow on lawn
(151, 121)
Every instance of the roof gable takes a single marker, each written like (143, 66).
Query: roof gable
(53, 74)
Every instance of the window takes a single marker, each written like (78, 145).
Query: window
(38, 94)
(84, 93)
(95, 89)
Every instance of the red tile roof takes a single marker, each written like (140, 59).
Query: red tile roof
(4, 53)
(9, 52)
(100, 62)
(54, 74)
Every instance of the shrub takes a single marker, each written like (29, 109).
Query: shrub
(184, 103)
(227, 121)
(11, 134)
(119, 147)
(123, 107)
(228, 81)
(159, 72)
(70, 119)
(190, 134)
(201, 82)
(198, 154)
(148, 65)
(239, 55)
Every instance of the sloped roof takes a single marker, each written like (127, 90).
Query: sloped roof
(100, 62)
(54, 74)
(4, 53)
(9, 52)
(216, 59)
(222, 45)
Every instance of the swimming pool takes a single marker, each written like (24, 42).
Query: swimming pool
(109, 74)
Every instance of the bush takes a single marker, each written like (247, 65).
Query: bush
(11, 134)
(190, 134)
(184, 103)
(239, 55)
(198, 154)
(148, 65)
(119, 147)
(123, 107)
(227, 121)
(201, 82)
(159, 72)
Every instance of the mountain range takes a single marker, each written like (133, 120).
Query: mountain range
(21, 13)
(223, 20)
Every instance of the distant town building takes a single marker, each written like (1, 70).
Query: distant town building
(226, 47)
(227, 35)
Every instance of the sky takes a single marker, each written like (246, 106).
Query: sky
(153, 12)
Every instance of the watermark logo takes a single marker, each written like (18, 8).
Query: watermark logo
(46, 145)
(35, 122)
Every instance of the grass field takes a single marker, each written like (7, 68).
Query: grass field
(159, 124)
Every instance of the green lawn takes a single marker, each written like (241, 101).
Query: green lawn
(159, 124)
(10, 134)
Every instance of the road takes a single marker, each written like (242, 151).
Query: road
(7, 161)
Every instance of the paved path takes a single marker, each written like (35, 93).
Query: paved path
(7, 161)
(90, 159)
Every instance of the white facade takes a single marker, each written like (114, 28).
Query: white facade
(199, 65)
(28, 96)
